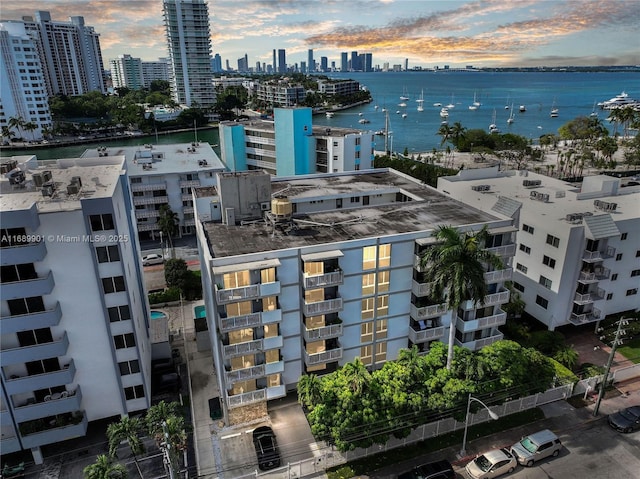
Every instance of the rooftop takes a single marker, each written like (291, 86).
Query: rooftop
(164, 159)
(98, 176)
(318, 130)
(427, 210)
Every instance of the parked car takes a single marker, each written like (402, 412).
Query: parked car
(536, 446)
(264, 440)
(491, 464)
(625, 420)
(153, 258)
(167, 383)
(433, 470)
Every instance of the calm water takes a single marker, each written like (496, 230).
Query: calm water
(574, 95)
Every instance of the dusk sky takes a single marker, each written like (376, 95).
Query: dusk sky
(428, 33)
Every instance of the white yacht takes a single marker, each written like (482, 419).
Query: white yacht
(618, 101)
(444, 113)
(330, 114)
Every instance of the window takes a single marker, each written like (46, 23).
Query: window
(136, 180)
(119, 313)
(632, 291)
(381, 329)
(101, 222)
(355, 199)
(383, 280)
(609, 296)
(367, 308)
(521, 267)
(550, 262)
(34, 336)
(381, 352)
(635, 272)
(113, 285)
(540, 301)
(619, 257)
(638, 254)
(124, 341)
(33, 304)
(623, 236)
(518, 286)
(384, 255)
(108, 254)
(134, 392)
(365, 354)
(614, 277)
(366, 332)
(546, 282)
(525, 248)
(553, 241)
(527, 228)
(368, 283)
(129, 367)
(382, 306)
(369, 257)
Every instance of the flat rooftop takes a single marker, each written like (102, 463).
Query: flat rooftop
(428, 210)
(176, 158)
(318, 130)
(98, 176)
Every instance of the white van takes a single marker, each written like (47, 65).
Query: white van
(536, 446)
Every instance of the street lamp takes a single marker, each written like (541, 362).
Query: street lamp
(492, 414)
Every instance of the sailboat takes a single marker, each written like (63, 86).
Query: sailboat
(493, 128)
(554, 111)
(452, 104)
(475, 104)
(510, 119)
(404, 95)
(594, 113)
(506, 107)
(420, 101)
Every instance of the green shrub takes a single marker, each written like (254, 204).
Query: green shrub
(167, 296)
(563, 374)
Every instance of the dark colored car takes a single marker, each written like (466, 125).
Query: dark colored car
(168, 383)
(266, 446)
(433, 470)
(625, 420)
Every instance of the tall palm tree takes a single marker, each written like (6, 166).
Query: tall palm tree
(127, 429)
(356, 375)
(7, 133)
(105, 468)
(30, 127)
(16, 122)
(457, 266)
(174, 440)
(159, 413)
(168, 223)
(309, 390)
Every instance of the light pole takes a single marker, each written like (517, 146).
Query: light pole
(616, 342)
(492, 414)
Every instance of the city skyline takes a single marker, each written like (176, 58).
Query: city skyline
(457, 33)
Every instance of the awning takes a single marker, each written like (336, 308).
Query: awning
(322, 255)
(427, 241)
(601, 226)
(232, 268)
(502, 229)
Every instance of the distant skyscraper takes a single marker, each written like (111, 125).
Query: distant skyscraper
(303, 67)
(216, 64)
(355, 61)
(406, 64)
(310, 61)
(324, 64)
(275, 64)
(282, 61)
(126, 72)
(368, 62)
(69, 53)
(344, 61)
(189, 41)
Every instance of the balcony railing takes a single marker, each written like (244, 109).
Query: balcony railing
(147, 213)
(23, 253)
(480, 343)
(505, 250)
(589, 297)
(323, 332)
(58, 403)
(23, 384)
(55, 348)
(252, 397)
(323, 307)
(429, 311)
(323, 357)
(25, 322)
(148, 186)
(240, 322)
(498, 275)
(481, 323)
(189, 183)
(429, 334)
(245, 374)
(420, 289)
(584, 318)
(56, 434)
(609, 252)
(150, 200)
(238, 294)
(40, 286)
(324, 280)
(240, 349)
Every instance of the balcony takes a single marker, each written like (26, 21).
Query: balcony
(498, 275)
(240, 322)
(323, 332)
(420, 290)
(24, 322)
(189, 183)
(273, 342)
(58, 347)
(271, 316)
(252, 397)
(9, 445)
(467, 326)
(592, 256)
(276, 392)
(240, 349)
(274, 368)
(150, 200)
(493, 299)
(503, 251)
(23, 384)
(148, 186)
(147, 214)
(584, 318)
(334, 278)
(416, 264)
(40, 286)
(23, 253)
(590, 297)
(428, 311)
(54, 405)
(322, 307)
(148, 226)
(63, 427)
(417, 335)
(245, 374)
(333, 353)
(480, 343)
(237, 294)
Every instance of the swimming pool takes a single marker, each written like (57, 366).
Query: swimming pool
(200, 312)
(157, 315)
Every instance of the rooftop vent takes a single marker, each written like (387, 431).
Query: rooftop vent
(38, 180)
(73, 189)
(7, 166)
(531, 183)
(605, 205)
(535, 195)
(481, 187)
(202, 162)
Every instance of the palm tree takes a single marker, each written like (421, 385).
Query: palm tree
(309, 390)
(356, 375)
(7, 133)
(31, 127)
(127, 429)
(168, 223)
(16, 122)
(410, 359)
(457, 266)
(105, 468)
(174, 439)
(445, 132)
(159, 413)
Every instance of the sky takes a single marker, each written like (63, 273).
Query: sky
(490, 33)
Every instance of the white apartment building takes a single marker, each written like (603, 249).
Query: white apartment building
(69, 52)
(158, 70)
(126, 72)
(303, 274)
(22, 83)
(338, 87)
(74, 337)
(278, 94)
(578, 256)
(164, 175)
(189, 41)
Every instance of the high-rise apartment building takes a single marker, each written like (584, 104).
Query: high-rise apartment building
(189, 42)
(282, 61)
(302, 275)
(22, 83)
(69, 53)
(310, 61)
(216, 63)
(344, 62)
(324, 64)
(74, 342)
(158, 70)
(368, 62)
(126, 72)
(355, 61)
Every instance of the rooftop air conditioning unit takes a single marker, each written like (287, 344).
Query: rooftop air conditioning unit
(7, 166)
(77, 180)
(47, 175)
(73, 189)
(48, 189)
(38, 180)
